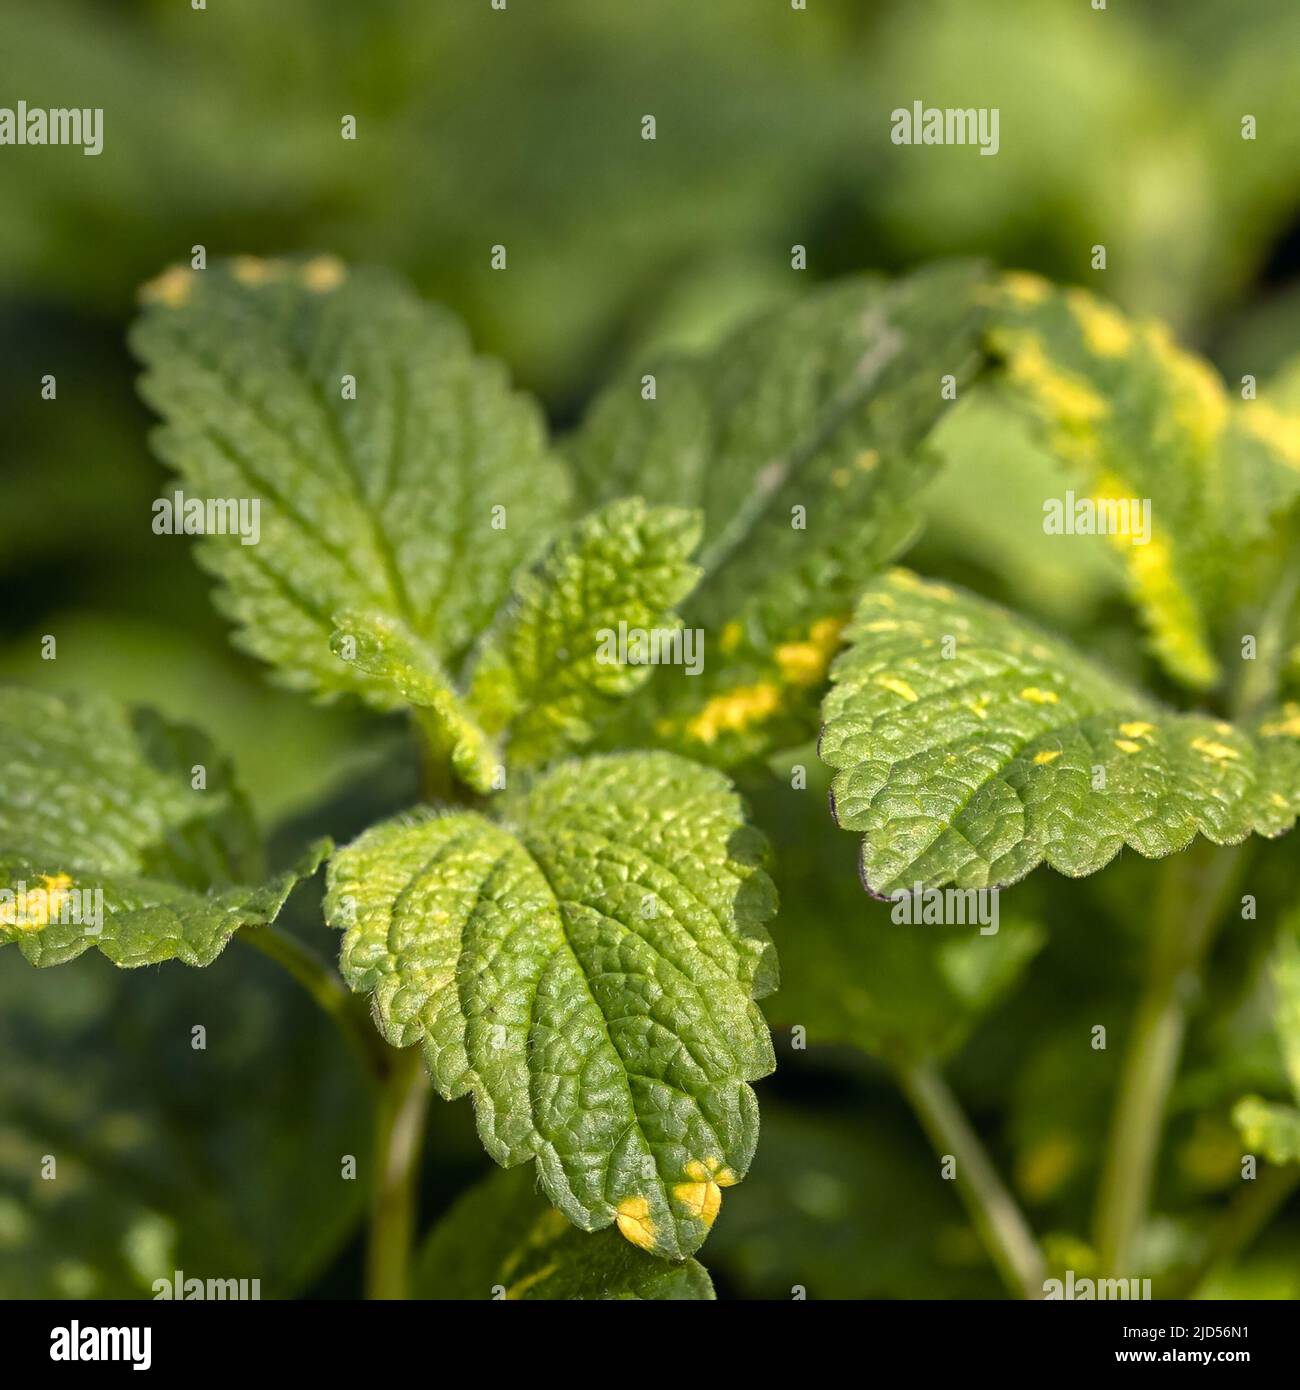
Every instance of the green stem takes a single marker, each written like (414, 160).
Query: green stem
(436, 781)
(1195, 888)
(997, 1218)
(1257, 686)
(399, 1132)
(1248, 1213)
(327, 989)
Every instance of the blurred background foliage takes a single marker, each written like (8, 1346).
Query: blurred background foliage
(222, 128)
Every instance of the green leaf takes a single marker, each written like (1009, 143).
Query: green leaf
(502, 1240)
(551, 669)
(587, 968)
(850, 972)
(221, 1161)
(849, 1206)
(1275, 1129)
(1271, 1129)
(801, 438)
(969, 747)
(105, 840)
(386, 649)
(1140, 418)
(416, 500)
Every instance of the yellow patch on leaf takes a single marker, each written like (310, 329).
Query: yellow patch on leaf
(1176, 626)
(1200, 404)
(1220, 752)
(1023, 288)
(1036, 696)
(734, 710)
(34, 908)
(1048, 755)
(254, 270)
(896, 686)
(632, 1217)
(1067, 399)
(1105, 330)
(1288, 724)
(1136, 729)
(1279, 431)
(702, 1195)
(172, 288)
(805, 663)
(324, 273)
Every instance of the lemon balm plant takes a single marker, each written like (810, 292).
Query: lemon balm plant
(572, 926)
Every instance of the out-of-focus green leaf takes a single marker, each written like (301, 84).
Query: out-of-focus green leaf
(848, 1207)
(504, 1240)
(1061, 579)
(1273, 1129)
(155, 1121)
(286, 752)
(905, 991)
(1144, 423)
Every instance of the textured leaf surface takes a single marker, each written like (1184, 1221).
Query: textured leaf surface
(383, 503)
(96, 799)
(1015, 750)
(823, 407)
(1140, 418)
(587, 968)
(503, 1240)
(545, 670)
(386, 650)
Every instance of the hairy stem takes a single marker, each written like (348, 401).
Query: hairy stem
(399, 1133)
(1194, 890)
(1000, 1223)
(325, 986)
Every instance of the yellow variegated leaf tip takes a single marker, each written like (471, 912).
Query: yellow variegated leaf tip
(700, 1195)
